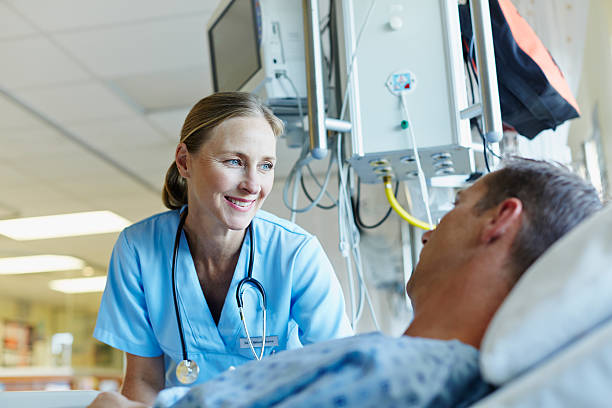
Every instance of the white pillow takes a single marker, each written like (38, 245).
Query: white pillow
(564, 294)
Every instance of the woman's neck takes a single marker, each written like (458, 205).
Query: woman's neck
(213, 250)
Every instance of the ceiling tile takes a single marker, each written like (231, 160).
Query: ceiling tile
(39, 199)
(26, 145)
(76, 102)
(117, 135)
(13, 25)
(13, 116)
(59, 15)
(36, 61)
(170, 121)
(167, 89)
(154, 46)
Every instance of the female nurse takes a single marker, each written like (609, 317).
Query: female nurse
(171, 298)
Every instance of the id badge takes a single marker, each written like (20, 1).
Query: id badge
(271, 341)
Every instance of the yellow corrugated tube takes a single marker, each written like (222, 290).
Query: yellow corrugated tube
(398, 208)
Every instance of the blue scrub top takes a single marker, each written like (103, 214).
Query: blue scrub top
(137, 315)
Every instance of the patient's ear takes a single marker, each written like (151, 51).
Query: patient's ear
(504, 218)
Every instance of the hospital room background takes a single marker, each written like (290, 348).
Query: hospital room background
(92, 98)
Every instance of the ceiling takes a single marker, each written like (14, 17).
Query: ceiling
(92, 98)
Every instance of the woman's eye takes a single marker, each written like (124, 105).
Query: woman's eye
(234, 162)
(267, 166)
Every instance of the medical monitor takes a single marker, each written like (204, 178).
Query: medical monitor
(258, 46)
(234, 45)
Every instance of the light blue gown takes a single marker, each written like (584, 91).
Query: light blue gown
(137, 314)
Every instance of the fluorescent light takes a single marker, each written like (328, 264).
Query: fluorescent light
(63, 225)
(79, 285)
(39, 263)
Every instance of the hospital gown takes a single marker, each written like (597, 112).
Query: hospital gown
(371, 370)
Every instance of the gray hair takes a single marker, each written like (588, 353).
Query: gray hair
(554, 201)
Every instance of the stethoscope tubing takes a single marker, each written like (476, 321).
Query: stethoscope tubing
(248, 280)
(177, 240)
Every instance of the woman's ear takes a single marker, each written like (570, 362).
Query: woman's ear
(505, 219)
(181, 157)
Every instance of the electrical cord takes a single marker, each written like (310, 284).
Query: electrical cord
(356, 206)
(323, 207)
(303, 160)
(347, 228)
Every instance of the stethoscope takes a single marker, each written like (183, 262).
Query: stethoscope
(187, 370)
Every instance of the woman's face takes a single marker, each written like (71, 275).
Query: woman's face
(232, 174)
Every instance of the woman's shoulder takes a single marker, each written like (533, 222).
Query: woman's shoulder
(281, 226)
(159, 223)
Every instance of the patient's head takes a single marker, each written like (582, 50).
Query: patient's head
(497, 229)
(554, 201)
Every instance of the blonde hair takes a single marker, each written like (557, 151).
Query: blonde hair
(207, 114)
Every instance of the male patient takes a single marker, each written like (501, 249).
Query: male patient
(469, 263)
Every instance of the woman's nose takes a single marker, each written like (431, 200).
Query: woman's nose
(250, 183)
(426, 236)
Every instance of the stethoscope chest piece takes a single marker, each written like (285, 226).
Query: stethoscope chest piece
(187, 371)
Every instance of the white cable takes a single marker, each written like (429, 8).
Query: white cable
(415, 149)
(294, 198)
(353, 56)
(344, 202)
(312, 175)
(303, 160)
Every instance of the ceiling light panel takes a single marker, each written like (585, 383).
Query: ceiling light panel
(39, 263)
(63, 225)
(79, 285)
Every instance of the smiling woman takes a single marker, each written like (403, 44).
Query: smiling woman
(216, 282)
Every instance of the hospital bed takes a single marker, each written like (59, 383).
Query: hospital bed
(549, 344)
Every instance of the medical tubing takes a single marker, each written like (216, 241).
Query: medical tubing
(294, 196)
(294, 173)
(398, 208)
(356, 204)
(357, 254)
(177, 240)
(354, 234)
(307, 194)
(415, 149)
(342, 243)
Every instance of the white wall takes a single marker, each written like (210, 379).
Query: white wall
(596, 84)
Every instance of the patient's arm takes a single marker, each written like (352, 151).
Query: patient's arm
(144, 378)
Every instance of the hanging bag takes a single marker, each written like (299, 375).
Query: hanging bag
(533, 93)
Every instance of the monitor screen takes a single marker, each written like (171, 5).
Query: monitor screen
(234, 49)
